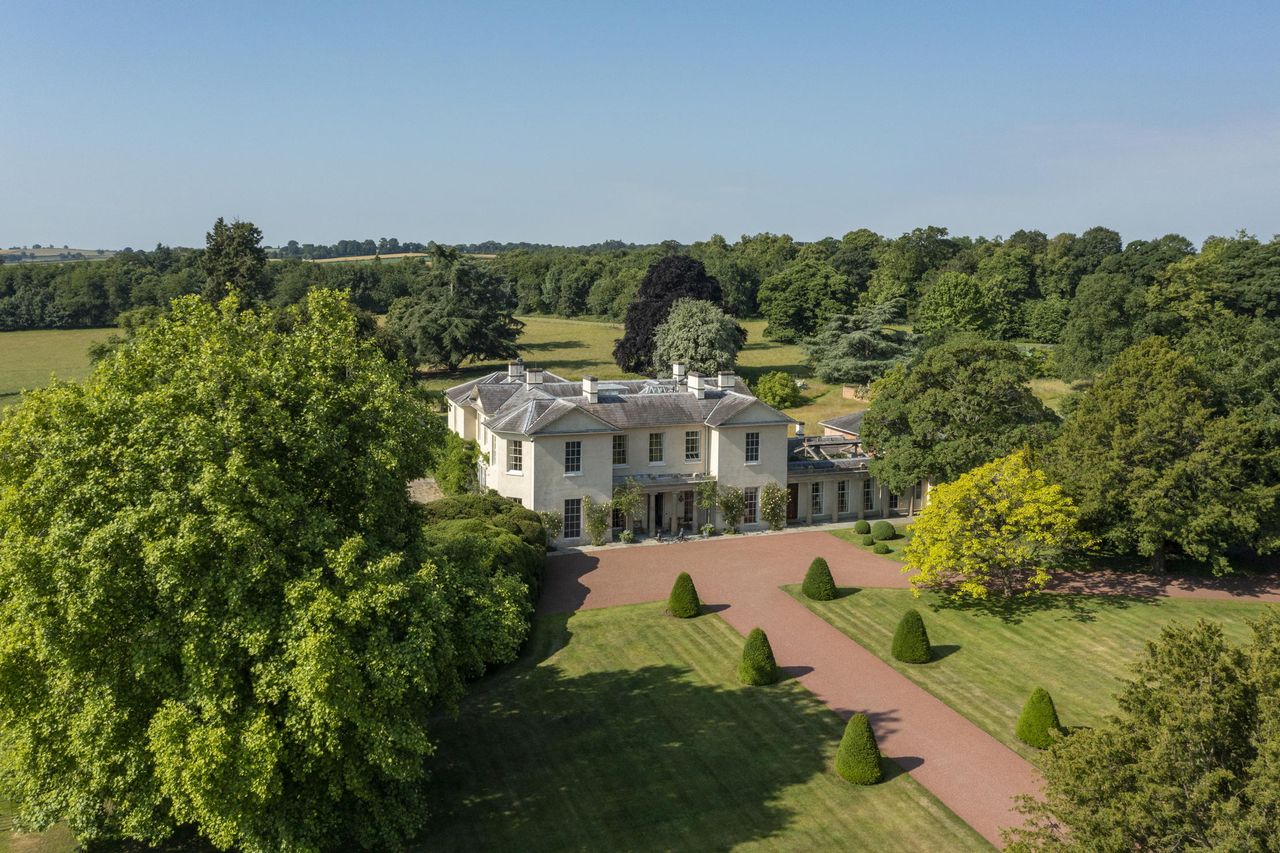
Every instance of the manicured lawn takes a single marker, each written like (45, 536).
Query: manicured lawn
(30, 359)
(56, 840)
(895, 545)
(625, 729)
(986, 664)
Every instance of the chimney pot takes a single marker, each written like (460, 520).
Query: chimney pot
(515, 369)
(697, 386)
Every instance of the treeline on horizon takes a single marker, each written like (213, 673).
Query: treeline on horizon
(1091, 291)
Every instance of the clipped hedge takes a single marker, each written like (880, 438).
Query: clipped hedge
(881, 548)
(1038, 722)
(683, 601)
(868, 540)
(818, 583)
(758, 666)
(910, 640)
(858, 759)
(862, 526)
(883, 530)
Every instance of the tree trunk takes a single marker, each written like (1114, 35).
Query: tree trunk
(1158, 560)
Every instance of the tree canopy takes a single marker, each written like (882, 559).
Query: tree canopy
(958, 405)
(700, 335)
(461, 312)
(857, 348)
(667, 281)
(1157, 464)
(234, 260)
(1189, 761)
(798, 298)
(999, 528)
(218, 608)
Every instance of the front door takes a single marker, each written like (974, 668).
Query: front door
(657, 512)
(793, 501)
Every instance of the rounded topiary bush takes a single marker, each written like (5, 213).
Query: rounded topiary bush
(883, 530)
(818, 583)
(1038, 722)
(868, 540)
(910, 640)
(683, 601)
(858, 759)
(881, 548)
(862, 526)
(758, 666)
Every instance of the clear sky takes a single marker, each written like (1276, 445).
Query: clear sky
(136, 123)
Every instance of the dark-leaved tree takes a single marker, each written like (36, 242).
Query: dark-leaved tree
(461, 312)
(670, 279)
(234, 260)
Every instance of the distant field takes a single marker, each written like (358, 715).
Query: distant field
(392, 256)
(52, 255)
(30, 359)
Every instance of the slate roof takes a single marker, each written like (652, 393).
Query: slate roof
(845, 423)
(511, 405)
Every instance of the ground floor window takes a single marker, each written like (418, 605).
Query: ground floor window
(619, 520)
(749, 504)
(918, 491)
(868, 494)
(842, 496)
(893, 500)
(572, 518)
(815, 498)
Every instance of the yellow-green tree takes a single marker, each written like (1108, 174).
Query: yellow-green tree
(998, 528)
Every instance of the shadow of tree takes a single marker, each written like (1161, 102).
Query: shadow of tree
(648, 758)
(542, 346)
(1014, 609)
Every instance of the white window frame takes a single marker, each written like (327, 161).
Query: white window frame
(572, 519)
(894, 500)
(619, 443)
(696, 454)
(660, 446)
(868, 495)
(842, 497)
(815, 497)
(576, 444)
(751, 448)
(515, 456)
(750, 505)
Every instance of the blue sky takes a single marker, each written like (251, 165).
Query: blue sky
(131, 124)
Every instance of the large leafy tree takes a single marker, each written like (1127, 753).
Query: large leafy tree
(234, 260)
(215, 606)
(667, 281)
(798, 299)
(1107, 315)
(700, 335)
(1157, 465)
(902, 263)
(996, 529)
(955, 303)
(857, 348)
(957, 406)
(461, 312)
(1189, 761)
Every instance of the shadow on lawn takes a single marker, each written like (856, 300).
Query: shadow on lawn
(1013, 610)
(542, 346)
(641, 759)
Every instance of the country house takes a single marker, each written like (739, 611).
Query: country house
(548, 442)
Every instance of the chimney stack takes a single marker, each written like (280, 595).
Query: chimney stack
(726, 380)
(515, 369)
(677, 372)
(591, 389)
(533, 376)
(696, 386)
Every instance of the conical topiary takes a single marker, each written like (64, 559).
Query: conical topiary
(683, 601)
(758, 666)
(910, 640)
(818, 583)
(858, 759)
(1038, 722)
